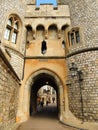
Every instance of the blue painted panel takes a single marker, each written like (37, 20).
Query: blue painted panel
(38, 2)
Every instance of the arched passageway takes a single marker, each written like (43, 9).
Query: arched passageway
(39, 81)
(34, 83)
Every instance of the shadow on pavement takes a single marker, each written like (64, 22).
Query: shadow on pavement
(47, 112)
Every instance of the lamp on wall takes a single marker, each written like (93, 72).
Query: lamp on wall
(73, 69)
(75, 72)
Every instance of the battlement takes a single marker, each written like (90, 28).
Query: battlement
(47, 11)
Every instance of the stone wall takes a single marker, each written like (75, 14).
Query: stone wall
(9, 86)
(6, 8)
(17, 7)
(17, 61)
(84, 14)
(88, 63)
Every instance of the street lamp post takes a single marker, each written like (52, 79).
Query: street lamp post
(75, 72)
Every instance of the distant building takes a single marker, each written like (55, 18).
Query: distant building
(47, 93)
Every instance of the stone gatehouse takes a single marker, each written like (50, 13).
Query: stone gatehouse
(48, 42)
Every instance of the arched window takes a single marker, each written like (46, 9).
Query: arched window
(12, 30)
(52, 31)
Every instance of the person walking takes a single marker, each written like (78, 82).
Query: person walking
(47, 103)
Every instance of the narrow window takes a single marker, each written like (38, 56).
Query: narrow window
(15, 32)
(9, 22)
(63, 44)
(72, 38)
(7, 34)
(14, 37)
(8, 30)
(77, 36)
(44, 47)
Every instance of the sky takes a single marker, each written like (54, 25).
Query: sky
(54, 2)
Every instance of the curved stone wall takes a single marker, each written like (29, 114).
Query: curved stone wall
(84, 15)
(88, 88)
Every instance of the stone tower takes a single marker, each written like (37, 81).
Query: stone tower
(42, 43)
(46, 47)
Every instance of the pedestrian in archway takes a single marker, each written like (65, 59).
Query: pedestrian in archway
(39, 106)
(47, 103)
(53, 99)
(42, 103)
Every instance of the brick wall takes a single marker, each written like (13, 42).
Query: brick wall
(9, 86)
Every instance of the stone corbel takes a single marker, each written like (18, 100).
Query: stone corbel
(59, 34)
(46, 34)
(34, 35)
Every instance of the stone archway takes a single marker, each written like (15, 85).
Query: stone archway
(53, 79)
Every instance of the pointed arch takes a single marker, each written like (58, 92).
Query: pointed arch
(12, 31)
(34, 80)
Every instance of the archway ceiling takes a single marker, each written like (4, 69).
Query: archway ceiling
(44, 79)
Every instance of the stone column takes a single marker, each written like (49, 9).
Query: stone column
(61, 102)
